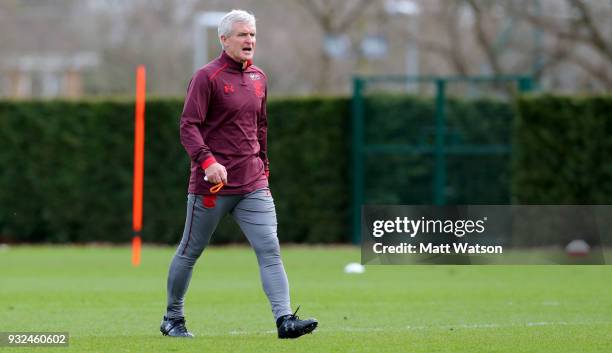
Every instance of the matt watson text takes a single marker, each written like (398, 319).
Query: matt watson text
(430, 248)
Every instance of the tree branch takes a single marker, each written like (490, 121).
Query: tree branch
(596, 38)
(353, 14)
(482, 38)
(571, 30)
(455, 52)
(320, 15)
(598, 72)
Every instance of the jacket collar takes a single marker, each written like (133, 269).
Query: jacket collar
(226, 59)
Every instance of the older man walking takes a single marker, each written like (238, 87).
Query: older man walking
(224, 130)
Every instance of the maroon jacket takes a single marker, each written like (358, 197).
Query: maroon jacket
(224, 120)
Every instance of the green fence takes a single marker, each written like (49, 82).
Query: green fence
(405, 143)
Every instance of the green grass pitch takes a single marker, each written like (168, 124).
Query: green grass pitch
(109, 306)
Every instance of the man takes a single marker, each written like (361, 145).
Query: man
(224, 129)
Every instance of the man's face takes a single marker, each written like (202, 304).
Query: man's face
(240, 45)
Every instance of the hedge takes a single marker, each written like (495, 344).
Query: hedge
(561, 154)
(562, 148)
(67, 171)
(67, 166)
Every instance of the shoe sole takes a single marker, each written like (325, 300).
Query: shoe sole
(167, 335)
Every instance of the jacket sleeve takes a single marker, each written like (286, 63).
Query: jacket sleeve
(192, 119)
(262, 133)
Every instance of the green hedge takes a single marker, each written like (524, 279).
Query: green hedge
(67, 166)
(562, 150)
(561, 154)
(67, 171)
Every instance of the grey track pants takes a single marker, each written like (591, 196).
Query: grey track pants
(256, 215)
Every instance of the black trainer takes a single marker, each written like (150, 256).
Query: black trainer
(290, 326)
(174, 328)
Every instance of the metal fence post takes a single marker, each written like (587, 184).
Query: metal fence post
(358, 177)
(440, 161)
(525, 84)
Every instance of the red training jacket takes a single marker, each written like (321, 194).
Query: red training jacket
(224, 120)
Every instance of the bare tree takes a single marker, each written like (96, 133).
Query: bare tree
(484, 33)
(455, 38)
(579, 35)
(567, 44)
(334, 18)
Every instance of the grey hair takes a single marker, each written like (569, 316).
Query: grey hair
(234, 16)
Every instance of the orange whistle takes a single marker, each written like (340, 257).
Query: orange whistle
(215, 189)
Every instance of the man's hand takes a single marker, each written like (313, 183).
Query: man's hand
(216, 174)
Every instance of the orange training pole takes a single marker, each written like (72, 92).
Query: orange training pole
(138, 163)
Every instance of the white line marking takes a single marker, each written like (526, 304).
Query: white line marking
(415, 328)
(475, 326)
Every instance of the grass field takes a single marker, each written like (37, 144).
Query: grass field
(109, 306)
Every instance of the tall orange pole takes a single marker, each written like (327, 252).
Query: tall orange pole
(139, 131)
